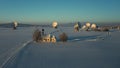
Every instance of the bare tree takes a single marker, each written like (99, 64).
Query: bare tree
(63, 37)
(37, 35)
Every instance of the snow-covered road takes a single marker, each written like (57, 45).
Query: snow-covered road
(83, 50)
(11, 41)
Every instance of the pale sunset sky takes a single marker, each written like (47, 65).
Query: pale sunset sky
(63, 11)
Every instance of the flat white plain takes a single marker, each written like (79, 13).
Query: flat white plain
(84, 49)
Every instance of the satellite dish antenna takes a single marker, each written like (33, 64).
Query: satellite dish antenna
(93, 26)
(54, 24)
(15, 24)
(84, 26)
(76, 27)
(88, 24)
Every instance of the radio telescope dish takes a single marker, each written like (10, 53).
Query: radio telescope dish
(54, 24)
(93, 26)
(88, 24)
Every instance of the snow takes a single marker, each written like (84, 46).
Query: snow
(84, 49)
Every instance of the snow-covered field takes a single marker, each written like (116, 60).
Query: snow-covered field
(83, 49)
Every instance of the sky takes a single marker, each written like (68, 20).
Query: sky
(63, 11)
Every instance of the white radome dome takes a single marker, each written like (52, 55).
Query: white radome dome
(54, 24)
(88, 24)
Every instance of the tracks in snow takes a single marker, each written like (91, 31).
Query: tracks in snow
(104, 36)
(13, 55)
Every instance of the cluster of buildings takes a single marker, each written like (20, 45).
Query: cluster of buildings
(48, 38)
(39, 36)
